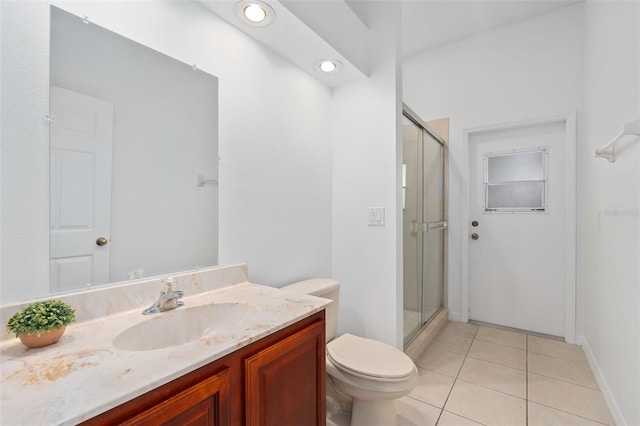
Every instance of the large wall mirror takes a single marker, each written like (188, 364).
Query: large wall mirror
(134, 161)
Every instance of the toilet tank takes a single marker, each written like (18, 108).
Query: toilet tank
(326, 288)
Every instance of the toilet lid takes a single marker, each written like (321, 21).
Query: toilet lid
(369, 358)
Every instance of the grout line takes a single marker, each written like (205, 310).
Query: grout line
(499, 364)
(561, 357)
(526, 379)
(455, 380)
(423, 402)
(566, 381)
(467, 418)
(495, 390)
(570, 413)
(501, 344)
(518, 330)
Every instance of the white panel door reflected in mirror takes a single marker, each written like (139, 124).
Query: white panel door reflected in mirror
(80, 185)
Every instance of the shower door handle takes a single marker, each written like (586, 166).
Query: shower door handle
(413, 228)
(435, 226)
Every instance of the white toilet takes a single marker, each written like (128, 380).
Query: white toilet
(369, 372)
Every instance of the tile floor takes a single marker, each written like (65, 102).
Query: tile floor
(478, 375)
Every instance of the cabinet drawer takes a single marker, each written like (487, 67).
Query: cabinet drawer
(206, 403)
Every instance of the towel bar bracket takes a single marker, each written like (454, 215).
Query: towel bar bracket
(631, 128)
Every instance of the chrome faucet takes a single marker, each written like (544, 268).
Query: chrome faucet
(167, 300)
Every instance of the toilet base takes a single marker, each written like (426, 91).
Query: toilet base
(373, 413)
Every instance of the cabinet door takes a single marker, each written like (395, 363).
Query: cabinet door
(204, 404)
(285, 383)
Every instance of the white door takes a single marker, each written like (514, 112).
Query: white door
(81, 155)
(517, 227)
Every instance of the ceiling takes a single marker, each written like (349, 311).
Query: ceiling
(306, 31)
(429, 24)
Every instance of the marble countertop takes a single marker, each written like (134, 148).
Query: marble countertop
(84, 374)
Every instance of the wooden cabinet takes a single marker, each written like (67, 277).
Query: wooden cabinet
(206, 403)
(280, 390)
(278, 380)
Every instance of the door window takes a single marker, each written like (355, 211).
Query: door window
(516, 181)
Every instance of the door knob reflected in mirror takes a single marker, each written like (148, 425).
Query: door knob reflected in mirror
(102, 241)
(475, 236)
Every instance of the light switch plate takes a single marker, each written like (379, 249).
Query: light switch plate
(376, 216)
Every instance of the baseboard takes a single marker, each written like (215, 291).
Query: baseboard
(455, 316)
(420, 343)
(618, 418)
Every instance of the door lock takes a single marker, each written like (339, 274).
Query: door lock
(474, 223)
(475, 236)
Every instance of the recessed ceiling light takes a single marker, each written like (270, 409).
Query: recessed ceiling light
(255, 13)
(328, 66)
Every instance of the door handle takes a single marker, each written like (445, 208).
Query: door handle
(474, 236)
(435, 226)
(102, 241)
(413, 228)
(416, 227)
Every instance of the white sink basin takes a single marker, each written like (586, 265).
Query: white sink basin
(184, 325)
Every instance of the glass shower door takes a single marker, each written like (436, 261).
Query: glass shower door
(423, 226)
(412, 221)
(434, 226)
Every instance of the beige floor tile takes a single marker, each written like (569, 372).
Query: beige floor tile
(493, 376)
(411, 412)
(450, 419)
(564, 396)
(443, 362)
(433, 388)
(492, 381)
(540, 415)
(577, 372)
(486, 406)
(338, 419)
(452, 343)
(502, 337)
(460, 328)
(499, 354)
(555, 348)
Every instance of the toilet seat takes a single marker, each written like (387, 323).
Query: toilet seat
(369, 359)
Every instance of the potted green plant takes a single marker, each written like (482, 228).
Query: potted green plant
(41, 323)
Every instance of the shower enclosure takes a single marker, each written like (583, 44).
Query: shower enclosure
(424, 223)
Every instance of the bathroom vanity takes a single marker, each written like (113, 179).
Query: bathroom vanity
(278, 380)
(236, 353)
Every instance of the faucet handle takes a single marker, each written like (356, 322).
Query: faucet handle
(168, 283)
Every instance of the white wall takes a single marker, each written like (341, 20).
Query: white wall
(24, 177)
(274, 141)
(611, 205)
(367, 260)
(525, 71)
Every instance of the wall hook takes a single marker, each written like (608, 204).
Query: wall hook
(202, 181)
